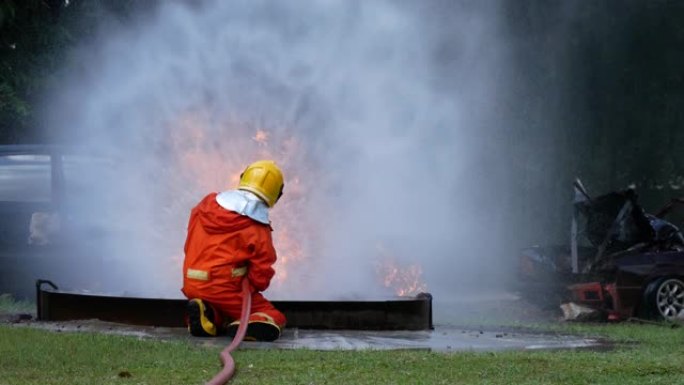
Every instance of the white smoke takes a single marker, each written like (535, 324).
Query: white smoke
(379, 109)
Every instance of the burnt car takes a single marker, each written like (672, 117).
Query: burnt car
(621, 261)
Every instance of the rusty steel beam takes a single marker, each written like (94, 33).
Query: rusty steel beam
(411, 313)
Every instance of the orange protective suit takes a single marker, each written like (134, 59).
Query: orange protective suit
(221, 248)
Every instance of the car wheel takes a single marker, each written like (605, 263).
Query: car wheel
(664, 299)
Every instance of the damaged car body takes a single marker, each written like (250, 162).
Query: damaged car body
(621, 262)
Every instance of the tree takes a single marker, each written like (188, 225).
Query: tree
(29, 39)
(36, 38)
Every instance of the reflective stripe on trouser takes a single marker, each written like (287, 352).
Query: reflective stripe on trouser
(230, 306)
(231, 309)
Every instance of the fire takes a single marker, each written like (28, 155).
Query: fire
(205, 159)
(205, 156)
(289, 252)
(290, 228)
(261, 137)
(199, 165)
(404, 280)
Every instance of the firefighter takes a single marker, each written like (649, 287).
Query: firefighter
(229, 239)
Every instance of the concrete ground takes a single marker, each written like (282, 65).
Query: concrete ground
(472, 325)
(443, 338)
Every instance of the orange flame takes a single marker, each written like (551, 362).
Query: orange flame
(205, 159)
(202, 162)
(403, 280)
(261, 137)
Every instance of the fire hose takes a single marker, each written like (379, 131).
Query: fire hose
(226, 373)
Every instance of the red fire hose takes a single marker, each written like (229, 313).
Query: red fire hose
(228, 363)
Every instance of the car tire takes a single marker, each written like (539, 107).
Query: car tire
(664, 299)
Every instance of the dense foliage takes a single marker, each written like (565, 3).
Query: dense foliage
(36, 39)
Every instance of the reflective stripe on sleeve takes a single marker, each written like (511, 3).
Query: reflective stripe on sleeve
(200, 275)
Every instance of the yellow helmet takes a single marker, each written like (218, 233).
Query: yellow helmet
(264, 179)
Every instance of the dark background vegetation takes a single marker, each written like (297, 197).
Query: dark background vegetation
(596, 92)
(37, 38)
(599, 95)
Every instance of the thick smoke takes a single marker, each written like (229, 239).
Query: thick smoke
(378, 112)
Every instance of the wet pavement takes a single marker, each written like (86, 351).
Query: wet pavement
(443, 338)
(449, 334)
(479, 322)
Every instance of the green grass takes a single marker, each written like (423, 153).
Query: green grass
(646, 354)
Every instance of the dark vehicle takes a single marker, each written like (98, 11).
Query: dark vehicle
(621, 260)
(41, 232)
